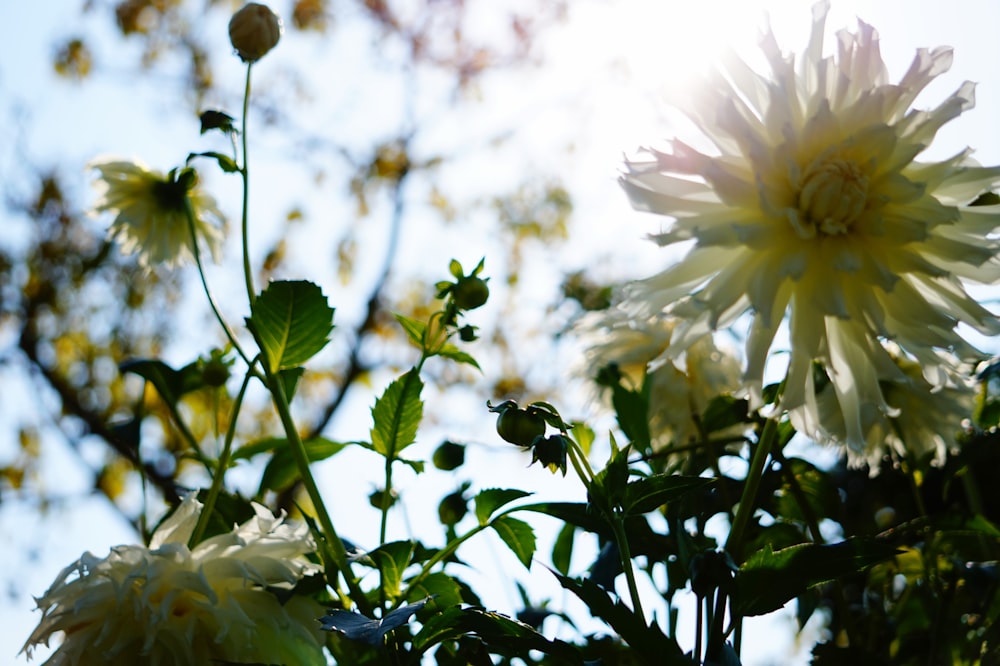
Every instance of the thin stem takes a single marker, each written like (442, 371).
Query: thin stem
(196, 251)
(748, 500)
(580, 464)
(301, 457)
(245, 173)
(440, 555)
(220, 473)
(618, 525)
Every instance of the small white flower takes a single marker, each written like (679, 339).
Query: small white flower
(173, 606)
(151, 212)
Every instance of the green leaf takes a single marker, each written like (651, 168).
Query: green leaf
(632, 411)
(724, 411)
(650, 493)
(518, 536)
(170, 384)
(584, 436)
(818, 488)
(608, 489)
(491, 499)
(443, 590)
(455, 354)
(225, 162)
(291, 322)
(501, 635)
(290, 379)
(648, 641)
(397, 415)
(391, 560)
(281, 472)
(562, 550)
(769, 579)
(414, 329)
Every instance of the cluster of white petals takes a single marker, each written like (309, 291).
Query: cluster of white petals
(924, 427)
(169, 605)
(151, 212)
(680, 387)
(813, 206)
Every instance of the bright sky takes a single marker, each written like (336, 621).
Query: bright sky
(603, 90)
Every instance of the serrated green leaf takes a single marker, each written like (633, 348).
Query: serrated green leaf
(491, 499)
(397, 415)
(562, 550)
(608, 489)
(290, 379)
(391, 560)
(443, 590)
(647, 640)
(457, 355)
(169, 383)
(501, 634)
(652, 492)
(281, 472)
(769, 579)
(518, 536)
(291, 322)
(414, 329)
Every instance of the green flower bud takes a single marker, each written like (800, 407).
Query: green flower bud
(470, 293)
(253, 31)
(453, 508)
(381, 499)
(551, 452)
(449, 456)
(519, 426)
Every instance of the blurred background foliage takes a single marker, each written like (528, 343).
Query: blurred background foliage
(73, 310)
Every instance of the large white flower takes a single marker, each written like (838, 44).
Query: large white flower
(173, 606)
(814, 205)
(681, 388)
(151, 211)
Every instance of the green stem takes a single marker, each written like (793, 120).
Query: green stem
(196, 251)
(390, 457)
(441, 555)
(580, 464)
(618, 525)
(245, 173)
(748, 500)
(220, 473)
(744, 512)
(301, 457)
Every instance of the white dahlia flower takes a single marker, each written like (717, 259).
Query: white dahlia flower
(151, 212)
(169, 605)
(813, 204)
(925, 423)
(681, 387)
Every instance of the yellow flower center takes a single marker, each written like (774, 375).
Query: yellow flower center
(832, 195)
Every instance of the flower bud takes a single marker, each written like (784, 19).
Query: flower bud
(253, 31)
